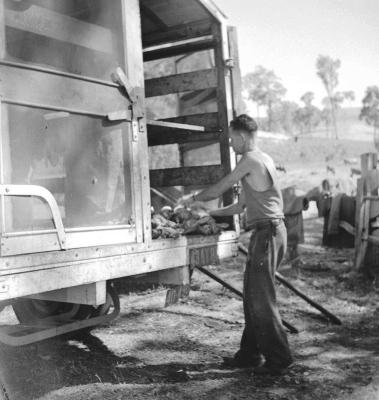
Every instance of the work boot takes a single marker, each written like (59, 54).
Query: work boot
(243, 361)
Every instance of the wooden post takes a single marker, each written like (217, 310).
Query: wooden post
(225, 113)
(369, 162)
(140, 163)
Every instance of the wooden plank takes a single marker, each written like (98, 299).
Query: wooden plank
(38, 88)
(235, 71)
(188, 176)
(179, 49)
(82, 273)
(45, 22)
(177, 33)
(174, 125)
(158, 136)
(224, 104)
(189, 81)
(208, 120)
(162, 132)
(140, 156)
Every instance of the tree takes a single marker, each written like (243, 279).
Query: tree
(265, 89)
(283, 116)
(327, 71)
(370, 109)
(309, 116)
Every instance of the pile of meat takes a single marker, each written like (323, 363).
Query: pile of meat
(171, 223)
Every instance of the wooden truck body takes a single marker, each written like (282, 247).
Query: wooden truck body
(75, 184)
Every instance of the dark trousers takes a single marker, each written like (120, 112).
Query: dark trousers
(264, 333)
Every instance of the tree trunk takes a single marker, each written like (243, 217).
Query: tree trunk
(334, 122)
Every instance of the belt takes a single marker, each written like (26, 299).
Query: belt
(265, 224)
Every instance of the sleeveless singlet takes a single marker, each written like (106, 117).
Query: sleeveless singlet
(263, 205)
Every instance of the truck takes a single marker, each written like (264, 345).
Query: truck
(88, 91)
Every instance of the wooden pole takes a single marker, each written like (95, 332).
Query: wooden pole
(303, 296)
(215, 277)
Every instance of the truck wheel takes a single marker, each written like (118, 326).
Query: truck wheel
(32, 311)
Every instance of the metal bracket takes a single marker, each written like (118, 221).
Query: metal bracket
(134, 95)
(230, 63)
(40, 192)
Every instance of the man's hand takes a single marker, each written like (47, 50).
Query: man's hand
(187, 200)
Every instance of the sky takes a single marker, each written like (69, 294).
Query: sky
(288, 35)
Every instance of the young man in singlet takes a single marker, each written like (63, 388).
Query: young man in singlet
(264, 335)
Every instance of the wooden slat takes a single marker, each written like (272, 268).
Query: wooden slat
(188, 176)
(174, 125)
(176, 50)
(189, 81)
(235, 72)
(38, 88)
(163, 132)
(158, 136)
(177, 33)
(45, 22)
(208, 120)
(224, 100)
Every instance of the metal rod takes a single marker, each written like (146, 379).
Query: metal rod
(50, 107)
(283, 281)
(52, 71)
(290, 327)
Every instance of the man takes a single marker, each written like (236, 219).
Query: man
(264, 334)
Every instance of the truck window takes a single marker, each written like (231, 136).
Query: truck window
(83, 162)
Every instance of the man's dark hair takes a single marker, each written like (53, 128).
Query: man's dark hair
(244, 123)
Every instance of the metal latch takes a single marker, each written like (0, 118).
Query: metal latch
(136, 112)
(230, 63)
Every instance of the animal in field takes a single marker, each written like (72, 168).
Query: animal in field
(350, 161)
(355, 171)
(281, 168)
(330, 169)
(329, 157)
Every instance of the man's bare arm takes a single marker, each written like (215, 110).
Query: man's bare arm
(214, 192)
(233, 209)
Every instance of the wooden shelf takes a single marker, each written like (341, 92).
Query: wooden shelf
(163, 132)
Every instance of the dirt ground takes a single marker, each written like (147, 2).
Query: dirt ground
(176, 352)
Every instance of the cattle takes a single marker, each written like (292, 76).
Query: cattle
(350, 161)
(355, 171)
(330, 169)
(281, 168)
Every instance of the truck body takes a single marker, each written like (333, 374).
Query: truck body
(84, 106)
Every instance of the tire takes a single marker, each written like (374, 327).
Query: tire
(32, 311)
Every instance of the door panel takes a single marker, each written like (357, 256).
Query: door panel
(75, 36)
(56, 93)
